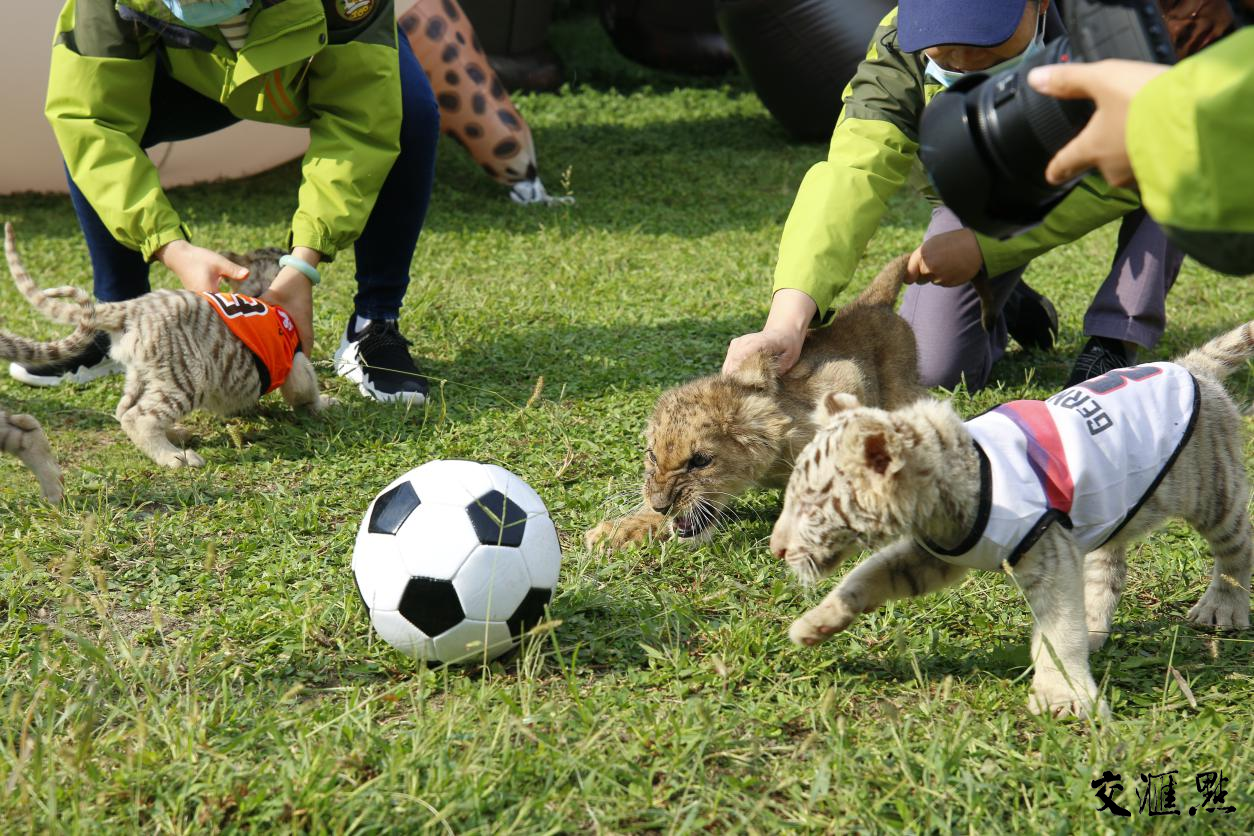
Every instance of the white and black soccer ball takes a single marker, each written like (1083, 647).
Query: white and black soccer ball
(455, 560)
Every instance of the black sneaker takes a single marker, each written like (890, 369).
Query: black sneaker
(377, 360)
(91, 363)
(1100, 355)
(1031, 318)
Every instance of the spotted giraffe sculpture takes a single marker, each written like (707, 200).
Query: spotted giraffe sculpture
(475, 109)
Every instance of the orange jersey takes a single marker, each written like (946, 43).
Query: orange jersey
(266, 329)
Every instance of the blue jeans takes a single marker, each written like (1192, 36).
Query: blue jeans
(386, 245)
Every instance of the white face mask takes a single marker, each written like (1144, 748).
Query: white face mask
(206, 12)
(947, 78)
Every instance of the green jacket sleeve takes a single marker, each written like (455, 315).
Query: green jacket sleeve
(839, 206)
(841, 201)
(1189, 135)
(98, 90)
(354, 138)
(1091, 204)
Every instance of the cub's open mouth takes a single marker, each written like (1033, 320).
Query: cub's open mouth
(695, 521)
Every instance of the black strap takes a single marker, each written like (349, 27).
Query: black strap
(171, 33)
(981, 517)
(1037, 531)
(263, 372)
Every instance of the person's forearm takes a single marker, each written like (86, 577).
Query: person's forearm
(293, 291)
(291, 280)
(310, 256)
(791, 310)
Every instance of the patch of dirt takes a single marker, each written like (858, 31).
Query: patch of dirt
(126, 622)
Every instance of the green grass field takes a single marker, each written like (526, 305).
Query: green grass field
(185, 651)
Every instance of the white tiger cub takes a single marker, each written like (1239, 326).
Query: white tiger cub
(21, 435)
(1029, 487)
(184, 351)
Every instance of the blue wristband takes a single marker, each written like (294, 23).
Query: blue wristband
(297, 263)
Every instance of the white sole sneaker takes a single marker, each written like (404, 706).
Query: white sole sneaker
(83, 374)
(348, 366)
(409, 398)
(347, 361)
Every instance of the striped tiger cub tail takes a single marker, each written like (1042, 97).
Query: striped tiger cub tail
(1223, 355)
(63, 304)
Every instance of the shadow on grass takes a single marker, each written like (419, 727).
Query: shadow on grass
(645, 180)
(607, 633)
(58, 409)
(686, 175)
(590, 59)
(1050, 370)
(578, 362)
(592, 360)
(1122, 662)
(491, 380)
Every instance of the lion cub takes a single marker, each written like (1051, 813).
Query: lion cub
(711, 439)
(1049, 491)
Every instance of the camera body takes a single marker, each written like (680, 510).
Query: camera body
(985, 142)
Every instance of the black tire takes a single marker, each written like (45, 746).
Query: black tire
(680, 37)
(800, 54)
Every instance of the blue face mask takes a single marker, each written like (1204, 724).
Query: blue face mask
(947, 78)
(206, 12)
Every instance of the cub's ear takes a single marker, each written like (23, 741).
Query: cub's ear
(881, 452)
(263, 266)
(831, 405)
(875, 449)
(758, 371)
(244, 285)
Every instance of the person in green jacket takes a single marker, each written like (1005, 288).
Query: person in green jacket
(919, 49)
(128, 75)
(1181, 135)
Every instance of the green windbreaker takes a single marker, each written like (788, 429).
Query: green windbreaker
(328, 65)
(873, 149)
(1189, 135)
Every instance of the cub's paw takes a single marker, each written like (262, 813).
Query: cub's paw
(1222, 607)
(322, 404)
(635, 528)
(179, 436)
(183, 458)
(1097, 639)
(1055, 697)
(821, 623)
(52, 489)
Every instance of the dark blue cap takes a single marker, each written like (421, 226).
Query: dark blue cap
(925, 23)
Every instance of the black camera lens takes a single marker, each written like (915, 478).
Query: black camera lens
(986, 141)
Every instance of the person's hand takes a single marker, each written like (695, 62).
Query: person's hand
(781, 336)
(1102, 144)
(782, 343)
(197, 268)
(293, 292)
(948, 259)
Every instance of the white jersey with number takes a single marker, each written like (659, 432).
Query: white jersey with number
(1087, 458)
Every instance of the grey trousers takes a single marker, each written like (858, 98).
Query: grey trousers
(1130, 305)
